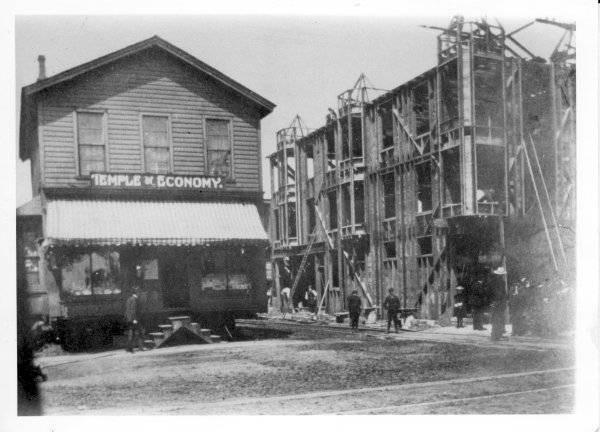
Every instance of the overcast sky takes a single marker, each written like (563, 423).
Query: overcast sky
(300, 63)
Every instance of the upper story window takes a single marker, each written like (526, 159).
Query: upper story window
(157, 147)
(218, 147)
(91, 142)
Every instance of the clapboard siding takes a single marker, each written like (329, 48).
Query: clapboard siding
(150, 82)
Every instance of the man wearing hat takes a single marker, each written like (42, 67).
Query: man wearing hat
(354, 308)
(498, 291)
(392, 305)
(516, 307)
(478, 301)
(132, 319)
(459, 306)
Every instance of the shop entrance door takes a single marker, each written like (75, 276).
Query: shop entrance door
(175, 283)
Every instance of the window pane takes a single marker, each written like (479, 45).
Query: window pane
(157, 160)
(113, 280)
(218, 143)
(218, 162)
(89, 128)
(240, 282)
(156, 139)
(155, 130)
(99, 276)
(155, 123)
(91, 158)
(150, 269)
(76, 276)
(217, 128)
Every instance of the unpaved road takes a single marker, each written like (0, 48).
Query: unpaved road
(312, 372)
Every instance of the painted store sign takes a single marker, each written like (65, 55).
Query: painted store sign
(155, 181)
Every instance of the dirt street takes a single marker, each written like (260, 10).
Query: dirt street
(311, 372)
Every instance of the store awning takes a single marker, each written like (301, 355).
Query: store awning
(152, 223)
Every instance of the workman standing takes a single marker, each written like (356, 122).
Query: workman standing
(460, 309)
(285, 300)
(311, 299)
(392, 305)
(354, 309)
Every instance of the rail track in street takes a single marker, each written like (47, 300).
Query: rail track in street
(385, 399)
(290, 368)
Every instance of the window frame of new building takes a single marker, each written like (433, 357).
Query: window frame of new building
(79, 114)
(207, 151)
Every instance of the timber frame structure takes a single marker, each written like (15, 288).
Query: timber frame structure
(413, 189)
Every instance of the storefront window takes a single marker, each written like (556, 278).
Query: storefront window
(219, 272)
(95, 273)
(239, 282)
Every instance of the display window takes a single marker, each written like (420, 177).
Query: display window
(95, 273)
(218, 272)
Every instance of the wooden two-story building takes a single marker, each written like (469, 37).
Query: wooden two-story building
(145, 170)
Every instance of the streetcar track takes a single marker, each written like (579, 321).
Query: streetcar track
(449, 401)
(362, 390)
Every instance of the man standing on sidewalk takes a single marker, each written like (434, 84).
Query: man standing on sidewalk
(392, 305)
(354, 308)
(498, 290)
(477, 301)
(132, 318)
(459, 306)
(285, 300)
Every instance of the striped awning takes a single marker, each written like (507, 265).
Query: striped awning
(153, 223)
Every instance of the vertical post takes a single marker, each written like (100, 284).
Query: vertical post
(555, 139)
(504, 136)
(503, 245)
(572, 145)
(520, 138)
(277, 282)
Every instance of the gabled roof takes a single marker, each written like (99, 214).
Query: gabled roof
(264, 105)
(154, 41)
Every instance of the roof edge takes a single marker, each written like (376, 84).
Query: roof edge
(154, 41)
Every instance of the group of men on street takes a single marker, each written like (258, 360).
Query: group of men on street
(391, 304)
(485, 291)
(530, 307)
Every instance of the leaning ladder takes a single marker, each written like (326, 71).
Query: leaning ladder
(310, 245)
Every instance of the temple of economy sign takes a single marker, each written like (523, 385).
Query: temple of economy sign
(155, 181)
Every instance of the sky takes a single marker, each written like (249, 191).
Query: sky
(301, 63)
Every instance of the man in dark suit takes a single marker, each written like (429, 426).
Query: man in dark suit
(392, 305)
(132, 319)
(459, 306)
(477, 302)
(354, 308)
(498, 291)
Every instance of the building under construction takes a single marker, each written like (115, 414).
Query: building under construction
(469, 165)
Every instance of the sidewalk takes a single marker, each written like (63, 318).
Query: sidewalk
(429, 330)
